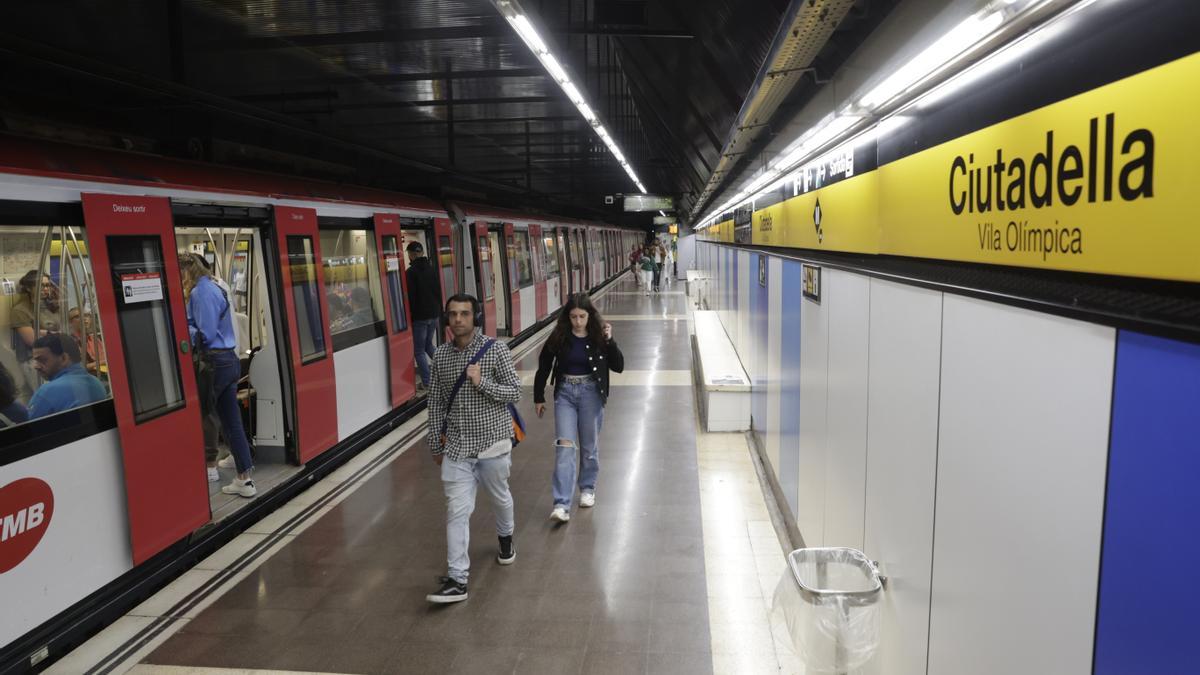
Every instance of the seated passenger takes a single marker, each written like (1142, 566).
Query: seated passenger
(81, 330)
(31, 303)
(68, 385)
(12, 412)
(360, 302)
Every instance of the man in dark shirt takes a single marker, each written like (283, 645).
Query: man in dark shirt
(423, 300)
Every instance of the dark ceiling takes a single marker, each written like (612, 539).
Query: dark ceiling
(438, 97)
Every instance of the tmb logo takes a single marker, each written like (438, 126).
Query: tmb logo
(26, 506)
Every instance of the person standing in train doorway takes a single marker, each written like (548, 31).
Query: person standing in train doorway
(472, 381)
(579, 354)
(424, 304)
(210, 323)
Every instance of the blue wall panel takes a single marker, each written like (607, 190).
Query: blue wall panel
(1148, 620)
(789, 386)
(758, 330)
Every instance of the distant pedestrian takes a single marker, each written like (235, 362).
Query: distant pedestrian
(634, 256)
(424, 304)
(579, 354)
(646, 263)
(660, 260)
(470, 429)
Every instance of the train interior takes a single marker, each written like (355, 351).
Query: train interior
(235, 255)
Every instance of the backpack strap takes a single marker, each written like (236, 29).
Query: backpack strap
(461, 379)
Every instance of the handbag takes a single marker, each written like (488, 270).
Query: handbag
(518, 423)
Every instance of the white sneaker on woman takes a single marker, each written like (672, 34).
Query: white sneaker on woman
(244, 488)
(587, 499)
(213, 476)
(560, 514)
(227, 462)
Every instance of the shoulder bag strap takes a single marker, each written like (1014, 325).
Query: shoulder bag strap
(461, 379)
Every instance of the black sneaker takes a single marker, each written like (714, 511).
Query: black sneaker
(508, 551)
(451, 591)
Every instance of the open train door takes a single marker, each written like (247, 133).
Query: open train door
(153, 384)
(564, 265)
(514, 296)
(311, 344)
(484, 281)
(389, 242)
(542, 302)
(443, 257)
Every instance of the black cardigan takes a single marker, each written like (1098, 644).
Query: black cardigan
(610, 359)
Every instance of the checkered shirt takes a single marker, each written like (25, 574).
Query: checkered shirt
(479, 415)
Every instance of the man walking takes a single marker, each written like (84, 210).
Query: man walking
(424, 303)
(470, 430)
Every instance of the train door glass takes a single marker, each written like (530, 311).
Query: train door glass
(409, 237)
(395, 294)
(143, 312)
(445, 252)
(497, 270)
(303, 263)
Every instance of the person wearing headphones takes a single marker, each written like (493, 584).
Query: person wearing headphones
(472, 381)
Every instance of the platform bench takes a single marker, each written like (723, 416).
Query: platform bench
(722, 385)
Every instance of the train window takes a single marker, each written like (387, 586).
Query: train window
(148, 336)
(485, 269)
(524, 264)
(551, 248)
(58, 308)
(302, 266)
(395, 290)
(351, 281)
(576, 252)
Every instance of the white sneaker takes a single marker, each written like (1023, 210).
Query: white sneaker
(244, 488)
(227, 462)
(587, 500)
(213, 476)
(560, 514)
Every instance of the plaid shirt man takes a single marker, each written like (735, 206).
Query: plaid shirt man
(479, 416)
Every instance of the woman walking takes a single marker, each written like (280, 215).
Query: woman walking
(579, 354)
(210, 322)
(646, 263)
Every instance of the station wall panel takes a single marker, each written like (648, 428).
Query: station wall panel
(774, 361)
(756, 364)
(791, 410)
(1152, 511)
(1023, 442)
(813, 385)
(904, 352)
(363, 393)
(743, 318)
(848, 297)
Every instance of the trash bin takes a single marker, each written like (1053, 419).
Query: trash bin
(829, 599)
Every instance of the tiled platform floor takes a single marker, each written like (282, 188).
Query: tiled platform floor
(671, 572)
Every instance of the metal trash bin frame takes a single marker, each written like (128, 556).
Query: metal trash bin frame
(834, 630)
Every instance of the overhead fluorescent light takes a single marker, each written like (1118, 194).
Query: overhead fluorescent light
(942, 54)
(517, 18)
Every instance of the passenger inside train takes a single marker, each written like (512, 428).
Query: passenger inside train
(66, 385)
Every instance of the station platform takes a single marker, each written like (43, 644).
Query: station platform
(672, 571)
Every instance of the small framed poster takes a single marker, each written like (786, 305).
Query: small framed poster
(811, 283)
(762, 271)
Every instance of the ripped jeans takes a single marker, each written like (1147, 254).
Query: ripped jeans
(578, 415)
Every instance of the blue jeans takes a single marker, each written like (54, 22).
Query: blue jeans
(460, 480)
(227, 370)
(424, 331)
(578, 415)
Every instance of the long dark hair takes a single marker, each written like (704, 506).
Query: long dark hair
(562, 329)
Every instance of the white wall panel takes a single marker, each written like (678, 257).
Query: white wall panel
(528, 297)
(553, 293)
(814, 370)
(774, 339)
(361, 376)
(902, 398)
(1020, 490)
(86, 540)
(848, 297)
(743, 291)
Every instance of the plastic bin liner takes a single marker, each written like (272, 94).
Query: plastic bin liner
(829, 600)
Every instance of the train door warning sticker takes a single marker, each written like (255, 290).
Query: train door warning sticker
(141, 287)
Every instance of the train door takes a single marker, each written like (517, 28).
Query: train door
(401, 374)
(311, 350)
(153, 384)
(442, 256)
(564, 265)
(514, 280)
(539, 272)
(485, 283)
(499, 263)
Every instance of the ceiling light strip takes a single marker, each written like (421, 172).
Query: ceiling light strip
(517, 18)
(948, 57)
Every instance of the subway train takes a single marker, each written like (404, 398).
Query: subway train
(94, 492)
